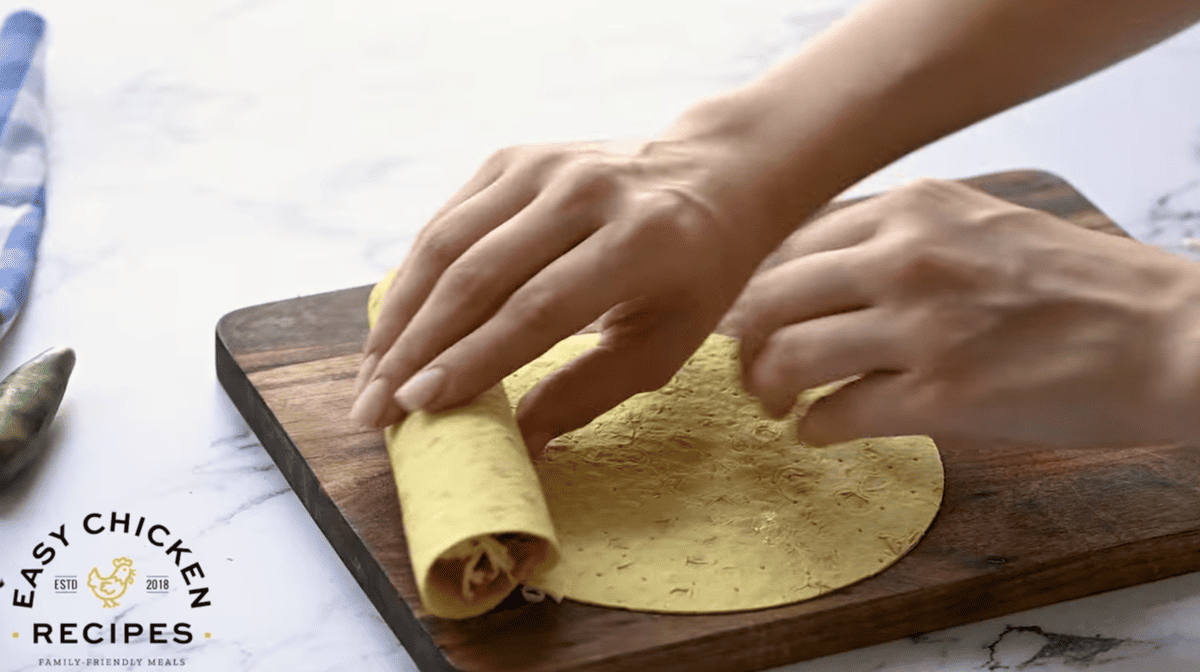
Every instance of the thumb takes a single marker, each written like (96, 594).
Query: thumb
(870, 406)
(595, 382)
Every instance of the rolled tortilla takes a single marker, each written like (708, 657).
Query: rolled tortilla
(475, 518)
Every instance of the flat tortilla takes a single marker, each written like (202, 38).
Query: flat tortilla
(691, 499)
(686, 499)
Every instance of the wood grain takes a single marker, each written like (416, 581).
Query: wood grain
(1020, 526)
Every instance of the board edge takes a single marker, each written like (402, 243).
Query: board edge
(400, 619)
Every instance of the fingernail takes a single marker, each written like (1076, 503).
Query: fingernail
(420, 389)
(370, 404)
(365, 371)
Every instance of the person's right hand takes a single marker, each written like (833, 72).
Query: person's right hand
(656, 239)
(957, 314)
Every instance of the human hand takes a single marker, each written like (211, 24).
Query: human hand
(655, 239)
(964, 315)
(658, 238)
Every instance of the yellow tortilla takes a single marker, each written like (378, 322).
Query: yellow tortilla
(474, 516)
(691, 499)
(686, 499)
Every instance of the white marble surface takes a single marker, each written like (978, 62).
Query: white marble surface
(209, 155)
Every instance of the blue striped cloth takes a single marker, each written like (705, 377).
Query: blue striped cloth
(23, 158)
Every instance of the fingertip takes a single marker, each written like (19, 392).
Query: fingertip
(866, 406)
(390, 416)
(749, 349)
(812, 434)
(365, 371)
(536, 442)
(774, 394)
(774, 408)
(532, 420)
(552, 408)
(370, 405)
(829, 419)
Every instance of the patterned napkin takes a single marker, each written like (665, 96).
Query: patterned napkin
(24, 127)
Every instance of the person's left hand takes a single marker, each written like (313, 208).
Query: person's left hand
(963, 315)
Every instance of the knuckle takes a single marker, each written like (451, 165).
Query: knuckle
(536, 311)
(935, 190)
(932, 186)
(463, 278)
(436, 248)
(501, 158)
(593, 177)
(668, 204)
(954, 333)
(788, 355)
(918, 194)
(917, 267)
(663, 222)
(530, 160)
(930, 204)
(1007, 219)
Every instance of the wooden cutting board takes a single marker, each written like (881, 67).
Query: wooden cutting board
(1020, 527)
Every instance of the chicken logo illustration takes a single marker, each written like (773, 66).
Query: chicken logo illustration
(111, 588)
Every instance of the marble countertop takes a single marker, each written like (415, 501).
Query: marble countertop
(213, 154)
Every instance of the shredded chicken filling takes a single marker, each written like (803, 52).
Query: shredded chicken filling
(483, 560)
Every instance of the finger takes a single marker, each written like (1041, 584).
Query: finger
(621, 262)
(476, 284)
(842, 228)
(878, 404)
(465, 297)
(805, 355)
(602, 378)
(488, 174)
(489, 171)
(802, 289)
(449, 238)
(853, 224)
